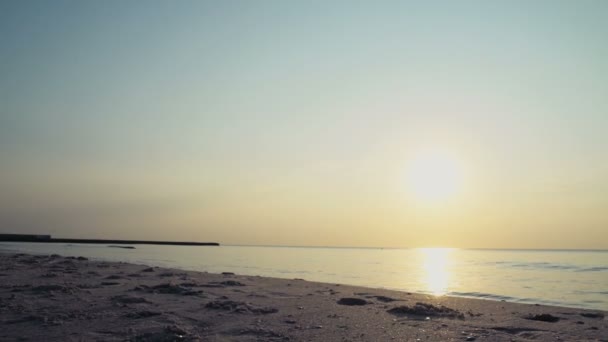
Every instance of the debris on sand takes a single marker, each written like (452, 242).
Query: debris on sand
(48, 275)
(223, 283)
(143, 314)
(51, 288)
(240, 307)
(593, 315)
(114, 277)
(352, 301)
(384, 299)
(189, 284)
(168, 334)
(29, 318)
(543, 318)
(110, 283)
(125, 299)
(427, 310)
(260, 333)
(231, 283)
(168, 288)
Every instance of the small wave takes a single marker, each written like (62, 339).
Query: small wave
(593, 301)
(525, 300)
(482, 295)
(548, 266)
(538, 265)
(593, 269)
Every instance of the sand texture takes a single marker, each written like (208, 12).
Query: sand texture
(54, 298)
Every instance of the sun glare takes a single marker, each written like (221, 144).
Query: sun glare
(434, 176)
(435, 265)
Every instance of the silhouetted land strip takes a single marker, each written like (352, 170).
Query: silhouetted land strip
(49, 239)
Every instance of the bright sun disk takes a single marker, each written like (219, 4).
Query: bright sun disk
(434, 176)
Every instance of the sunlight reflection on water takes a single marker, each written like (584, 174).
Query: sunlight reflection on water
(436, 270)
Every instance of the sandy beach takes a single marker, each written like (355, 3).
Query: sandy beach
(55, 298)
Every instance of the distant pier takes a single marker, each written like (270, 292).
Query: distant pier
(49, 239)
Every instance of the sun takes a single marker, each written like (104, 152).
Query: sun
(434, 176)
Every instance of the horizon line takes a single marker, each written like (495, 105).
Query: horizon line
(464, 248)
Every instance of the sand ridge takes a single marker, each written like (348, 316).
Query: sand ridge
(55, 298)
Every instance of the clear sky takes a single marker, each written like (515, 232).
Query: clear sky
(307, 123)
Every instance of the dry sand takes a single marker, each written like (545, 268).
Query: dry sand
(54, 298)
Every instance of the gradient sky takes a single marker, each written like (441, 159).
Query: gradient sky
(292, 123)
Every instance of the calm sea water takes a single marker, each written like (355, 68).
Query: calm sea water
(566, 278)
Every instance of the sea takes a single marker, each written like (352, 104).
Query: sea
(572, 278)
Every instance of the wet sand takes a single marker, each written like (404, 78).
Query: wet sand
(55, 298)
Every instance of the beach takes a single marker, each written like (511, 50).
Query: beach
(55, 298)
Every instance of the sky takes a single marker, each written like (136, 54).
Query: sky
(300, 122)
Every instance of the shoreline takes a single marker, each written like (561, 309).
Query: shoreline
(286, 264)
(57, 298)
